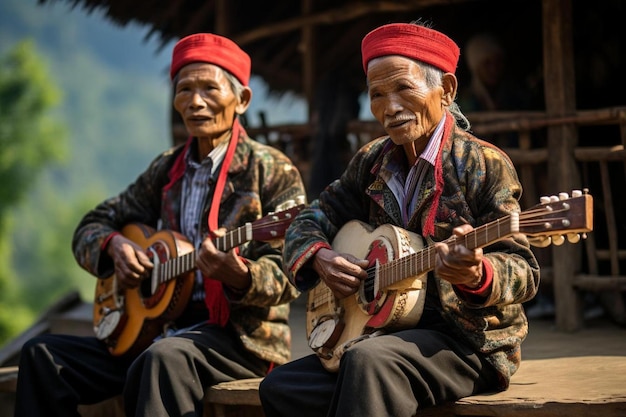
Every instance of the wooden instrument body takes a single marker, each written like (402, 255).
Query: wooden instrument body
(333, 324)
(392, 297)
(129, 320)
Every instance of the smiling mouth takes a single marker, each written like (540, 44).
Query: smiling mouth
(396, 123)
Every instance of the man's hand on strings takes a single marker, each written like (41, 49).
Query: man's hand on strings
(131, 262)
(342, 273)
(458, 264)
(227, 267)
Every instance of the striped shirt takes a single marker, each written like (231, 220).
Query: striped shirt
(404, 188)
(196, 186)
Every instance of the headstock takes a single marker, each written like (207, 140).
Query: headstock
(274, 225)
(557, 218)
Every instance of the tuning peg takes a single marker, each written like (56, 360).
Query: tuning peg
(563, 196)
(540, 241)
(558, 240)
(573, 237)
(301, 199)
(286, 205)
(577, 193)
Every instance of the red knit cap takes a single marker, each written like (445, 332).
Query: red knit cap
(411, 41)
(212, 49)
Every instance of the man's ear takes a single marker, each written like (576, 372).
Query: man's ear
(450, 85)
(244, 100)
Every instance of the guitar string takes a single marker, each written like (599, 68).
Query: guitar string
(176, 266)
(529, 218)
(418, 263)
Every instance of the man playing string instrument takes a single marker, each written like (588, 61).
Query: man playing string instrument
(430, 176)
(235, 323)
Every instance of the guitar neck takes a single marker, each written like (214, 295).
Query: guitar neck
(172, 268)
(234, 238)
(423, 261)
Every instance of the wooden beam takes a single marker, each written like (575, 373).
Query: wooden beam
(560, 97)
(347, 47)
(273, 58)
(200, 18)
(222, 17)
(536, 120)
(308, 58)
(341, 14)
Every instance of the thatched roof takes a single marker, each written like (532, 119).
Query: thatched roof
(296, 43)
(293, 44)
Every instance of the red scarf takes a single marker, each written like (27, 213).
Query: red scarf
(429, 226)
(216, 302)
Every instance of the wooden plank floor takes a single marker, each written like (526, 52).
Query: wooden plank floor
(579, 374)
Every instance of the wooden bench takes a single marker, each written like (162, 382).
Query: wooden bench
(560, 387)
(8, 379)
(557, 387)
(234, 399)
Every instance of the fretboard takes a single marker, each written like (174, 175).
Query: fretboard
(175, 267)
(418, 263)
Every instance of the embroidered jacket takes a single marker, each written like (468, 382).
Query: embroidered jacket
(480, 185)
(260, 178)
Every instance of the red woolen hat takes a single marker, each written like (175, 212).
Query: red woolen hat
(411, 41)
(212, 49)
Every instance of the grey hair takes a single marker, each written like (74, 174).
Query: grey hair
(235, 84)
(433, 77)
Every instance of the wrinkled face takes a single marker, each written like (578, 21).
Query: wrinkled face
(401, 101)
(205, 100)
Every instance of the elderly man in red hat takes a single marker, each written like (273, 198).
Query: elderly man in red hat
(226, 307)
(396, 328)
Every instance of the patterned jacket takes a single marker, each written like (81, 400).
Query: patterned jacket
(480, 185)
(260, 178)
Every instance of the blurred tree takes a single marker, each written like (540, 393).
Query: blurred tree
(30, 139)
(42, 255)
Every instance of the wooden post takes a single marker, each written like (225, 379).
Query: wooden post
(308, 58)
(222, 17)
(560, 96)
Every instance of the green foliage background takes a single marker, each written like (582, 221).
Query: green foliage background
(105, 105)
(29, 139)
(113, 116)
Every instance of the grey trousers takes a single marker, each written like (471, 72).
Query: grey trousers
(391, 375)
(59, 372)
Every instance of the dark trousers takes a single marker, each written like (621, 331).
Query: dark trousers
(391, 375)
(59, 372)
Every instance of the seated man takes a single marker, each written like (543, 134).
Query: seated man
(234, 324)
(430, 176)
